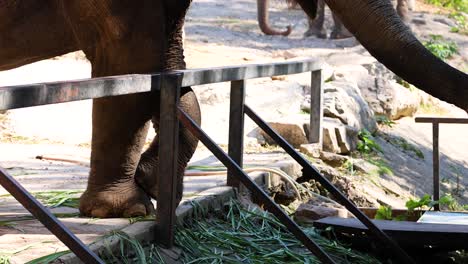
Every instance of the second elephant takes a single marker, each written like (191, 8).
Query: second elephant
(316, 25)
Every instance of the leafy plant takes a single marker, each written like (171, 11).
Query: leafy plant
(458, 5)
(384, 120)
(440, 47)
(367, 142)
(348, 165)
(458, 175)
(461, 22)
(384, 213)
(423, 202)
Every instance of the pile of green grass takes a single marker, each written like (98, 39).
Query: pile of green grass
(239, 235)
(247, 235)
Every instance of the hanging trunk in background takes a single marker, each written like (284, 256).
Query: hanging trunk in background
(262, 11)
(378, 28)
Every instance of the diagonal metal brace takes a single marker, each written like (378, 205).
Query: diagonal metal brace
(262, 197)
(47, 219)
(309, 169)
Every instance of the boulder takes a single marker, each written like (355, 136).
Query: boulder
(312, 150)
(332, 159)
(379, 88)
(292, 133)
(343, 101)
(309, 212)
(339, 138)
(384, 95)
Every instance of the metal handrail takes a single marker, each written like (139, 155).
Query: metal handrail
(19, 96)
(169, 85)
(435, 121)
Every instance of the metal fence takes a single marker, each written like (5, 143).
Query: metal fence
(169, 85)
(435, 121)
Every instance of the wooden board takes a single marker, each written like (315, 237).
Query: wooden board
(437, 217)
(407, 234)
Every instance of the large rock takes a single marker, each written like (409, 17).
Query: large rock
(343, 101)
(292, 133)
(317, 208)
(337, 138)
(307, 213)
(380, 89)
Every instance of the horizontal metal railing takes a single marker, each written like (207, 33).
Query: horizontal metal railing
(169, 85)
(12, 97)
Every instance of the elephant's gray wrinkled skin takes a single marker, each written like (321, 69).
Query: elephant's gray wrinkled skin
(121, 37)
(316, 25)
(339, 30)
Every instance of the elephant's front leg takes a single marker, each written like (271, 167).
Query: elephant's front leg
(120, 125)
(316, 25)
(147, 172)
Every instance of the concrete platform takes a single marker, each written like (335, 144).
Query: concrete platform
(25, 239)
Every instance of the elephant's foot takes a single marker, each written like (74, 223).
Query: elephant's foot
(340, 34)
(319, 33)
(122, 200)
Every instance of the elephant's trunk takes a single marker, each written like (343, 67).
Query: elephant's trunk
(262, 10)
(377, 26)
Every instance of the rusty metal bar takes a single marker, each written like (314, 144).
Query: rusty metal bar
(263, 198)
(250, 71)
(441, 120)
(435, 164)
(236, 129)
(42, 214)
(19, 96)
(60, 92)
(316, 108)
(168, 156)
(310, 170)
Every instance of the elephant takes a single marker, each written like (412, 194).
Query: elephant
(122, 37)
(339, 31)
(316, 25)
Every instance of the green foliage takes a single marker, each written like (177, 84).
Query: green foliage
(405, 146)
(349, 166)
(206, 168)
(426, 202)
(440, 47)
(384, 120)
(382, 165)
(458, 5)
(461, 22)
(451, 203)
(48, 258)
(59, 198)
(421, 203)
(367, 143)
(250, 235)
(384, 213)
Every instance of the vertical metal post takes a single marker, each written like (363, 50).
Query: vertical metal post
(435, 163)
(316, 108)
(168, 155)
(236, 129)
